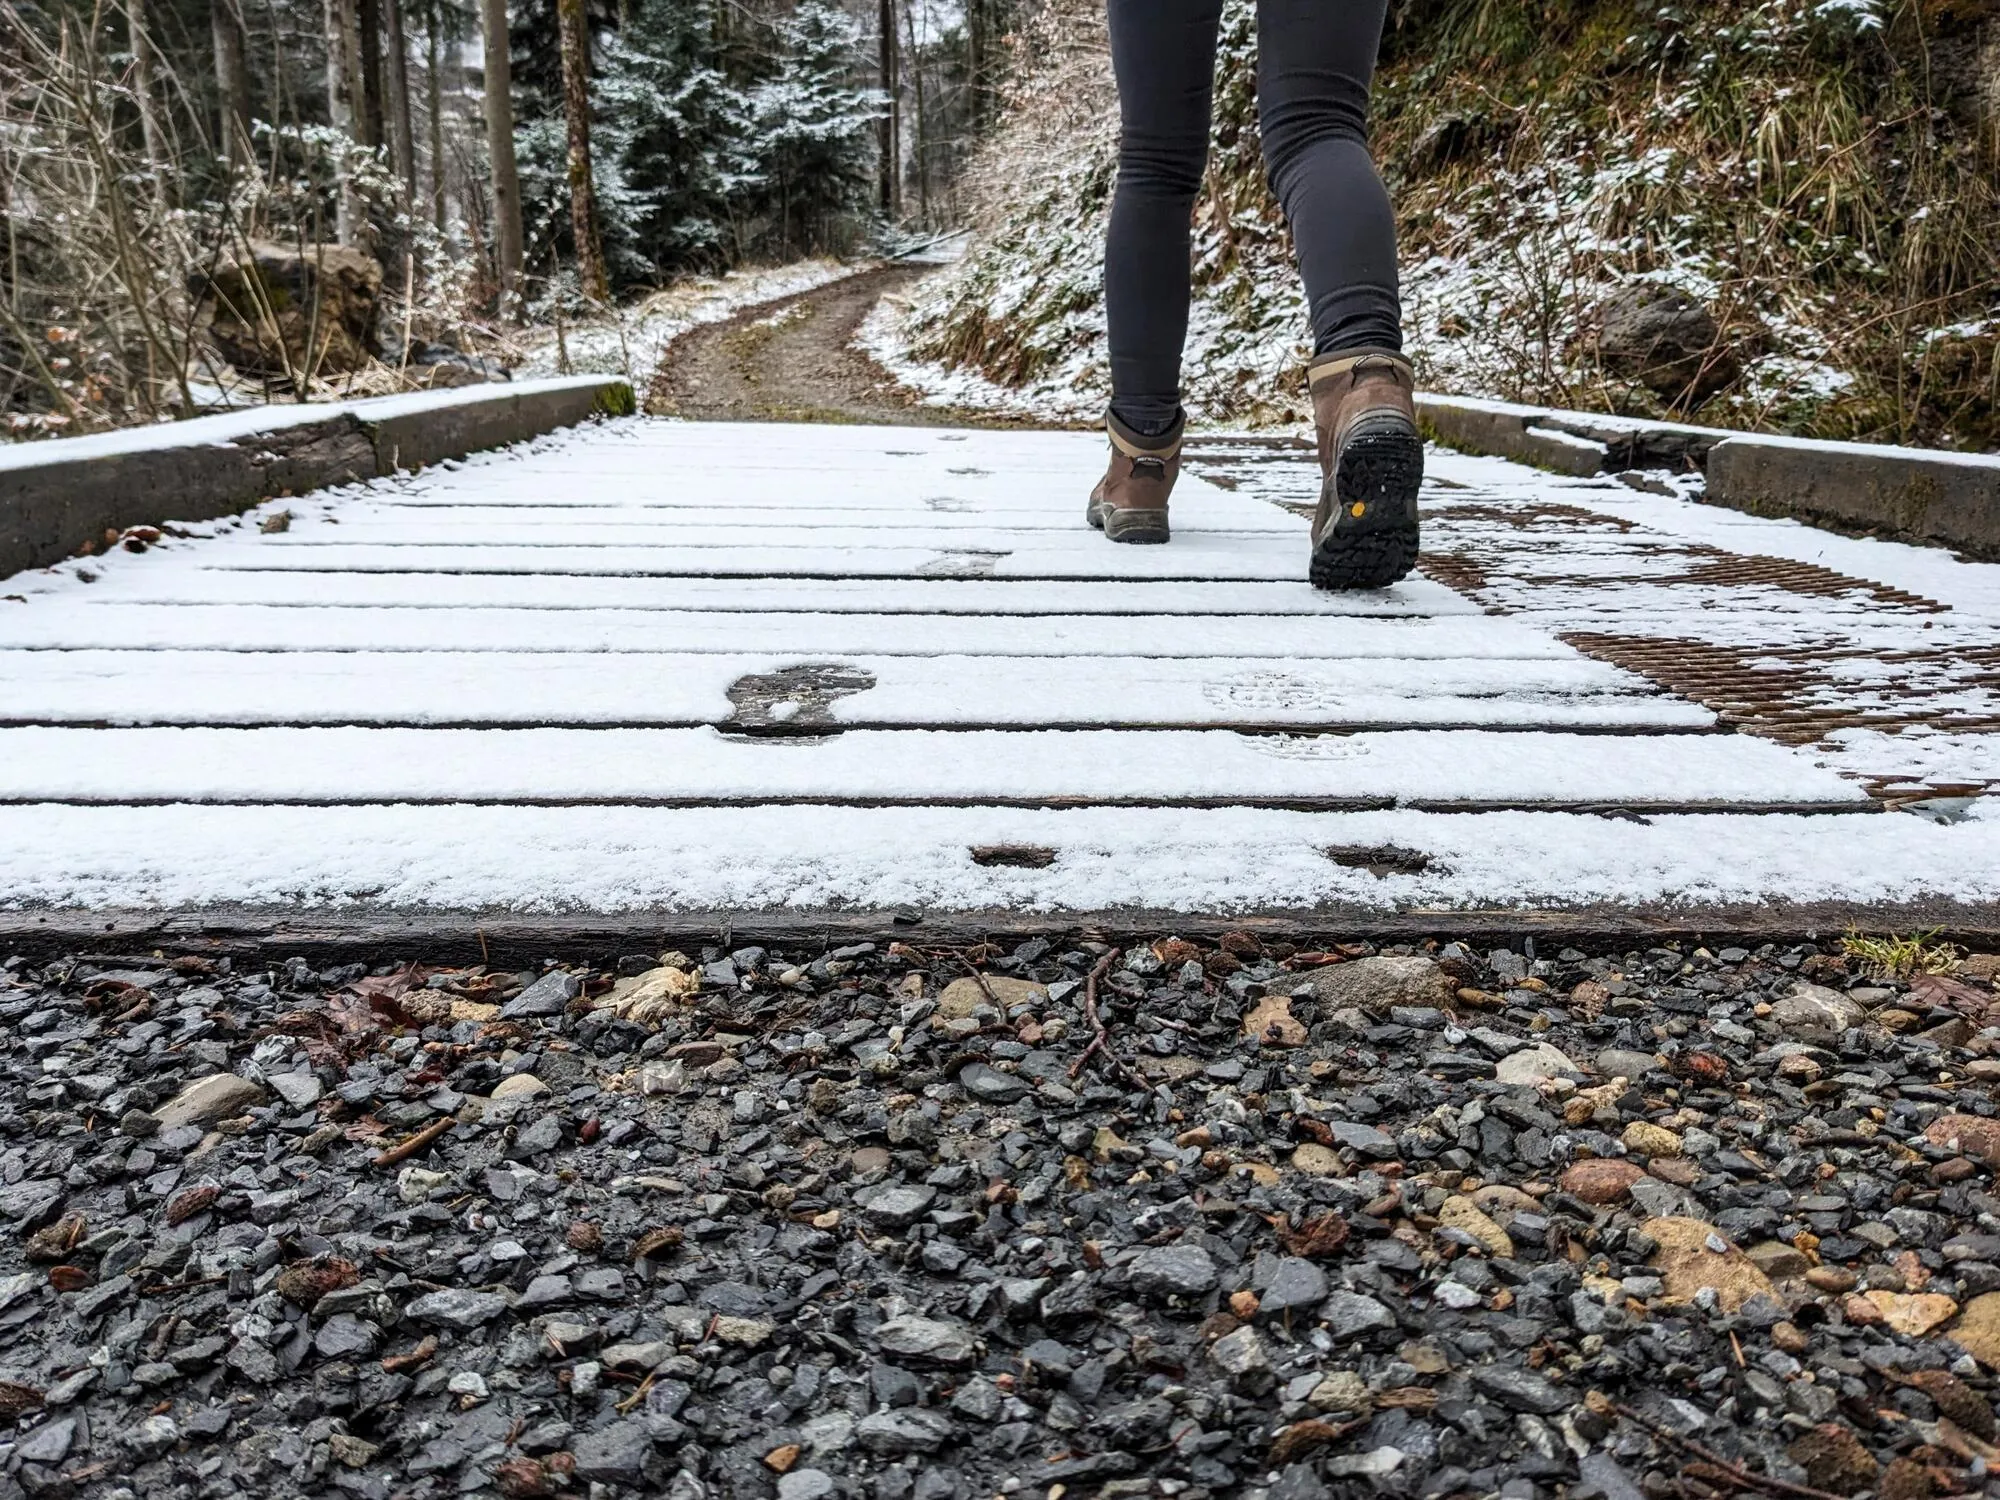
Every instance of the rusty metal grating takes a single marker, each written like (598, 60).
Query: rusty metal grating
(1800, 697)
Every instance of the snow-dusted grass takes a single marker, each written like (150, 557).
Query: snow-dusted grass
(1769, 160)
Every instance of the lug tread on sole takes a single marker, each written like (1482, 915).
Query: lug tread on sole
(1384, 470)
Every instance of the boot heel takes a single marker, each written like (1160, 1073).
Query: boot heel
(1126, 524)
(1373, 541)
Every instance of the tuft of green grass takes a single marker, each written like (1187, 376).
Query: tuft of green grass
(1900, 957)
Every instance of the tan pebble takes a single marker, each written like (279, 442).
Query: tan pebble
(1832, 1279)
(1244, 1305)
(1970, 1134)
(1461, 1213)
(1913, 1313)
(1790, 1338)
(1651, 1140)
(1320, 1161)
(1978, 1329)
(1271, 1022)
(1694, 1255)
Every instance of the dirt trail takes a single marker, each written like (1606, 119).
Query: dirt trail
(790, 360)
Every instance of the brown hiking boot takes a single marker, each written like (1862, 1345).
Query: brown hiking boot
(1365, 534)
(1130, 501)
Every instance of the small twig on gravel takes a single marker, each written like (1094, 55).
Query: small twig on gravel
(164, 1287)
(1730, 1473)
(1100, 1040)
(973, 969)
(403, 1150)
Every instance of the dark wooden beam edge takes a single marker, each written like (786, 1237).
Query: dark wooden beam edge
(512, 938)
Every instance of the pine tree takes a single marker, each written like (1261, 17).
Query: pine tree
(673, 167)
(811, 129)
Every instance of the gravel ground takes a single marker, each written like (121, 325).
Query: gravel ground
(881, 1223)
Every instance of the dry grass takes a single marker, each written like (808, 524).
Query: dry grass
(1900, 957)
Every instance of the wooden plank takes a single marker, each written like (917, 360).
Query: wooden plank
(1201, 556)
(628, 868)
(664, 689)
(66, 624)
(691, 767)
(179, 576)
(672, 526)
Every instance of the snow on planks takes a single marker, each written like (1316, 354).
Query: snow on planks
(688, 767)
(663, 689)
(677, 665)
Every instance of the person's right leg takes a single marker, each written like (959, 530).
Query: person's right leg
(1315, 64)
(1163, 55)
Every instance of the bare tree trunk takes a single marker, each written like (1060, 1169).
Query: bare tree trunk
(888, 128)
(582, 190)
(439, 206)
(343, 67)
(917, 82)
(976, 46)
(368, 26)
(500, 150)
(142, 82)
(232, 76)
(402, 136)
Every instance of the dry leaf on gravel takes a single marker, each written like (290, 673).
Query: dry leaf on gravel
(649, 998)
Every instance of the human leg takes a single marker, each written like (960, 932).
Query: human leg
(1163, 56)
(1315, 63)
(1316, 60)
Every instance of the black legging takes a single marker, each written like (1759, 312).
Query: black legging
(1314, 62)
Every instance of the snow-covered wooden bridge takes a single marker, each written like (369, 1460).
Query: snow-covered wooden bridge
(644, 667)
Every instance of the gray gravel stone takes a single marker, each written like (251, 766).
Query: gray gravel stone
(216, 1097)
(548, 996)
(1377, 985)
(1349, 1315)
(928, 1339)
(910, 1430)
(1174, 1271)
(457, 1309)
(615, 1454)
(990, 1084)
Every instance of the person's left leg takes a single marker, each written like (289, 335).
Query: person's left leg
(1163, 57)
(1316, 60)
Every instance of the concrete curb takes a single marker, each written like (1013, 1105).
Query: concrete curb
(56, 496)
(1913, 494)
(1920, 495)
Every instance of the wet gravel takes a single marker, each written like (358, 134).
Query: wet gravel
(884, 1222)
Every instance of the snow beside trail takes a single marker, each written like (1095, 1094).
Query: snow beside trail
(633, 341)
(234, 426)
(1067, 397)
(604, 859)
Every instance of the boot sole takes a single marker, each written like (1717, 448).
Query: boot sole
(1380, 469)
(1141, 526)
